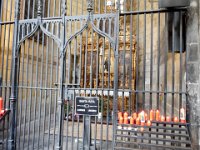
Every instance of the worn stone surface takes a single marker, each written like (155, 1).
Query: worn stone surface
(193, 71)
(193, 53)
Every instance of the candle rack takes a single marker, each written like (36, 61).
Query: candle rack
(165, 135)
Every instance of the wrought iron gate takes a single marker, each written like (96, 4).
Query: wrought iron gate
(130, 54)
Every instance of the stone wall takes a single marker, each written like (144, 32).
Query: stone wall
(193, 72)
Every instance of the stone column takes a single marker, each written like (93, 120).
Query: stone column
(193, 72)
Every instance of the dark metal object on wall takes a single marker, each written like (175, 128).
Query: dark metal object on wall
(173, 3)
(176, 31)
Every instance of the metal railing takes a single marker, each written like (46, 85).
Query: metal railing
(54, 50)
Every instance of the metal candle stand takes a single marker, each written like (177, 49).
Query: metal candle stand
(166, 135)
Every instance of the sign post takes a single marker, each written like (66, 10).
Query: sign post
(87, 106)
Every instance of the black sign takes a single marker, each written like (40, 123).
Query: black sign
(87, 106)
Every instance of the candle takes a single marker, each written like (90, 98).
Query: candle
(146, 116)
(131, 120)
(157, 115)
(1, 104)
(138, 121)
(142, 116)
(125, 115)
(162, 119)
(182, 115)
(175, 119)
(121, 120)
(151, 115)
(149, 123)
(119, 114)
(134, 116)
(168, 119)
(125, 120)
(2, 112)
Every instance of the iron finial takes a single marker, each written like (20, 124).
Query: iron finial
(39, 9)
(90, 5)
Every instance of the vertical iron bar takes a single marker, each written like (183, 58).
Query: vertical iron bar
(97, 78)
(51, 79)
(173, 66)
(7, 63)
(137, 56)
(45, 84)
(61, 88)
(115, 93)
(158, 65)
(151, 58)
(3, 53)
(40, 95)
(26, 93)
(102, 99)
(13, 97)
(36, 91)
(56, 94)
(22, 83)
(181, 60)
(144, 58)
(165, 67)
(31, 84)
(131, 61)
(124, 65)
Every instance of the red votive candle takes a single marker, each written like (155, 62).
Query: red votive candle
(134, 116)
(157, 115)
(168, 119)
(2, 112)
(162, 119)
(175, 119)
(1, 104)
(149, 123)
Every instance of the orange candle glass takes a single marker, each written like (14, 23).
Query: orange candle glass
(131, 120)
(157, 115)
(125, 115)
(151, 115)
(162, 119)
(134, 116)
(121, 120)
(146, 116)
(119, 115)
(138, 121)
(175, 119)
(125, 120)
(1, 104)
